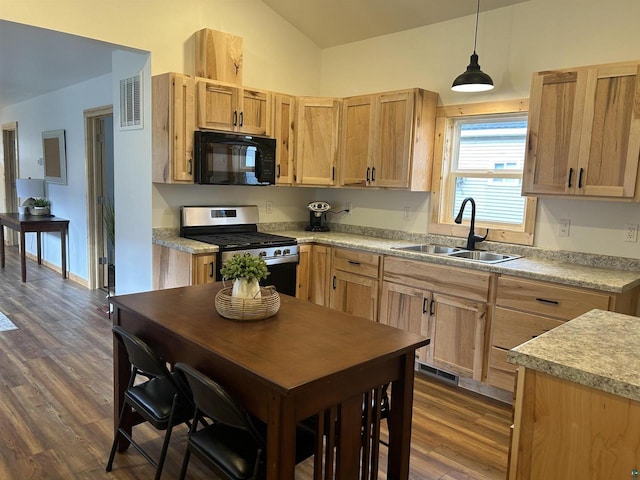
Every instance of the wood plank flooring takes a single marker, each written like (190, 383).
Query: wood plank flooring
(56, 398)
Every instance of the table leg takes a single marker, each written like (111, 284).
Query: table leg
(63, 253)
(39, 238)
(400, 421)
(2, 246)
(350, 439)
(23, 258)
(281, 435)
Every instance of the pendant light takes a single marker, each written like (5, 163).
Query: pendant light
(473, 79)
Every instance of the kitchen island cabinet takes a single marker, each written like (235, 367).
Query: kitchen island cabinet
(176, 268)
(577, 409)
(584, 132)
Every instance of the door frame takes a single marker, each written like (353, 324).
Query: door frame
(11, 173)
(95, 178)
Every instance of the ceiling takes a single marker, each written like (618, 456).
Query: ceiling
(35, 61)
(335, 22)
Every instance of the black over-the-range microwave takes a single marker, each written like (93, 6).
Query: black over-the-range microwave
(234, 159)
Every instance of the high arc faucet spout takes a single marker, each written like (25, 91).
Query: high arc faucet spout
(472, 238)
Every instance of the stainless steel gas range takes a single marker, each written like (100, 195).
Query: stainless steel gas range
(235, 230)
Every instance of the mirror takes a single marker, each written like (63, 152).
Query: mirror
(54, 156)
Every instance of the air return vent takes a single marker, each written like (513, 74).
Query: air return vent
(131, 102)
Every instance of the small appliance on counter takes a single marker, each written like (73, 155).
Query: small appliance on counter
(318, 216)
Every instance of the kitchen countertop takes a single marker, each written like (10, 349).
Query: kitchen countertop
(598, 349)
(598, 276)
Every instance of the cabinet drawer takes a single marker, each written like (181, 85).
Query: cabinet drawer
(511, 328)
(548, 299)
(460, 282)
(352, 261)
(502, 374)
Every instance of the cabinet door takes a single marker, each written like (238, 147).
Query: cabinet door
(254, 112)
(283, 132)
(392, 144)
(354, 294)
(355, 132)
(406, 308)
(217, 106)
(555, 119)
(303, 271)
(610, 143)
(320, 275)
(203, 269)
(458, 336)
(316, 140)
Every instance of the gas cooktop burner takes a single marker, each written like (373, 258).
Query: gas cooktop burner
(243, 239)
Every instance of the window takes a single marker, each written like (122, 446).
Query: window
(483, 157)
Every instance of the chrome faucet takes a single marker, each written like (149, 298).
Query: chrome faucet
(472, 239)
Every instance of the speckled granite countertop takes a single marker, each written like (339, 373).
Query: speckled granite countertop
(567, 268)
(598, 349)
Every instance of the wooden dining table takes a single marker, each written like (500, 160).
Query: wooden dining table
(301, 362)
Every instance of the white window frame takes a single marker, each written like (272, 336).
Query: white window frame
(441, 221)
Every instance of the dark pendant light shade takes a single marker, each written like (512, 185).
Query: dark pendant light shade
(473, 79)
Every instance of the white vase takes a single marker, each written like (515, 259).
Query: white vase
(244, 289)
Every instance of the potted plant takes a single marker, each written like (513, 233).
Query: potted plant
(40, 207)
(245, 271)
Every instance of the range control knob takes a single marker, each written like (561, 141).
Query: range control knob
(286, 251)
(262, 254)
(277, 252)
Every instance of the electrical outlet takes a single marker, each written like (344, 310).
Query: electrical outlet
(630, 233)
(349, 208)
(269, 207)
(563, 228)
(405, 214)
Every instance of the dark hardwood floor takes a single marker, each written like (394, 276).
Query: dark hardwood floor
(56, 398)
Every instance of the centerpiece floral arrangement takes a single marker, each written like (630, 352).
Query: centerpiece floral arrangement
(245, 271)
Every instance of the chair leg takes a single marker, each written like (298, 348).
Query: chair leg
(117, 437)
(185, 464)
(167, 437)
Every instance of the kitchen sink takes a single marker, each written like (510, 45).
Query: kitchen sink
(484, 257)
(430, 248)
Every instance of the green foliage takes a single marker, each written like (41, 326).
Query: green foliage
(246, 266)
(41, 202)
(109, 218)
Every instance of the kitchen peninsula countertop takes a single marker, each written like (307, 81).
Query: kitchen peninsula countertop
(598, 349)
(598, 273)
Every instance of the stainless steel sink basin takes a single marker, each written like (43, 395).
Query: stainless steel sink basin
(430, 248)
(484, 257)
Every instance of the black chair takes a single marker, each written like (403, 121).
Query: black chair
(232, 444)
(162, 400)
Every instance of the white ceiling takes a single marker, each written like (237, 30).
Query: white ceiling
(335, 22)
(35, 61)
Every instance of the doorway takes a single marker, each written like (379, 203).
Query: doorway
(10, 155)
(100, 198)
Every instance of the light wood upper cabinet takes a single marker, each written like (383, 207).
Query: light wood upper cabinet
(584, 132)
(284, 111)
(316, 140)
(228, 107)
(173, 123)
(387, 139)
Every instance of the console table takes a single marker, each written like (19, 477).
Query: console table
(37, 224)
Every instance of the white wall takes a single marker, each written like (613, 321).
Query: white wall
(513, 43)
(60, 110)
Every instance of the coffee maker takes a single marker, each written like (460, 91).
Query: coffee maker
(317, 216)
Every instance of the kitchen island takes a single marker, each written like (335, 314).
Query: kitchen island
(577, 408)
(303, 361)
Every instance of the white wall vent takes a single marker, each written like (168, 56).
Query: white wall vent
(131, 103)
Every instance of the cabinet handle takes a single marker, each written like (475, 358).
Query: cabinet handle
(235, 118)
(278, 174)
(431, 304)
(334, 282)
(373, 174)
(190, 167)
(424, 304)
(211, 270)
(353, 262)
(368, 170)
(333, 173)
(580, 178)
(570, 177)
(550, 302)
(242, 119)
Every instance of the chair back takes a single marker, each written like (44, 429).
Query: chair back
(141, 356)
(214, 402)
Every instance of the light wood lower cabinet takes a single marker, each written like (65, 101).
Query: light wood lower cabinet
(175, 268)
(354, 282)
(303, 272)
(445, 303)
